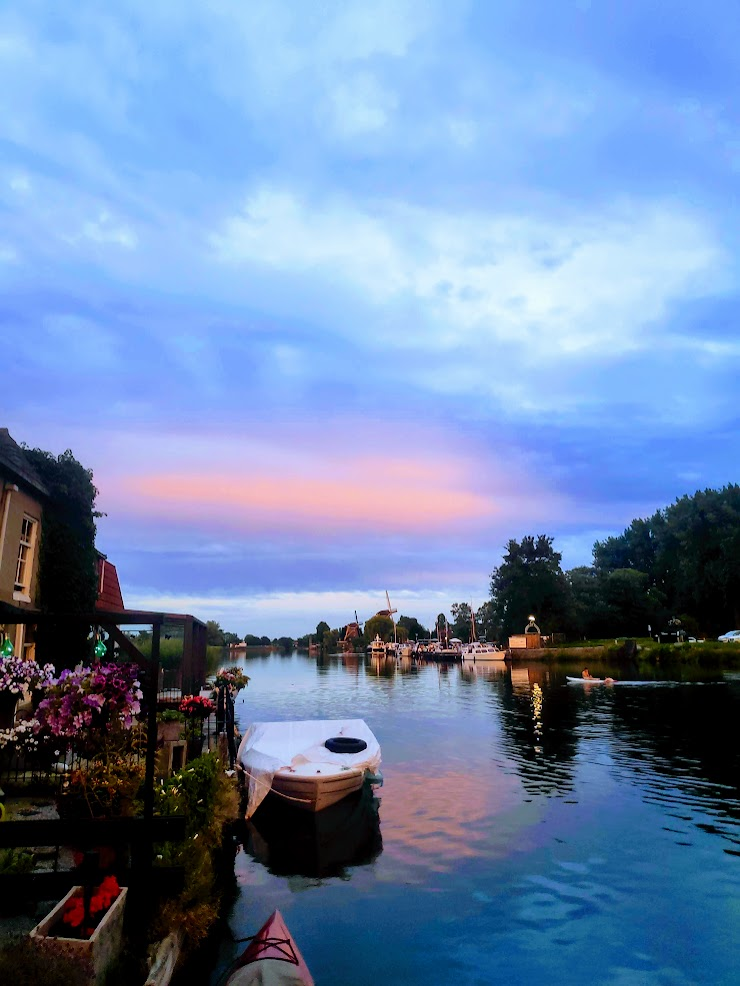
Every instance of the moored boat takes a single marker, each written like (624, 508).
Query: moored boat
(311, 764)
(272, 956)
(479, 650)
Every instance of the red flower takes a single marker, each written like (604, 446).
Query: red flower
(197, 707)
(101, 899)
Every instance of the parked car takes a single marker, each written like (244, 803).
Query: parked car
(730, 636)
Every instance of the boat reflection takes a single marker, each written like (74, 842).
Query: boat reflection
(291, 842)
(472, 671)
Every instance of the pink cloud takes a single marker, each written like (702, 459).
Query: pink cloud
(405, 497)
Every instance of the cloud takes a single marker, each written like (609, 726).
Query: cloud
(569, 287)
(292, 613)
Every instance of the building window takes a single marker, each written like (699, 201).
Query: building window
(25, 557)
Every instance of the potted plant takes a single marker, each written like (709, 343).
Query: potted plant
(87, 926)
(105, 787)
(169, 725)
(17, 677)
(232, 678)
(196, 708)
(101, 698)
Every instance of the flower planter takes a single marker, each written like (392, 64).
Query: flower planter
(92, 955)
(169, 732)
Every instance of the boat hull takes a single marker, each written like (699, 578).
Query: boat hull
(272, 957)
(484, 655)
(316, 791)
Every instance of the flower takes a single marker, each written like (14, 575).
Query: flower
(197, 707)
(17, 674)
(104, 696)
(100, 900)
(233, 677)
(22, 735)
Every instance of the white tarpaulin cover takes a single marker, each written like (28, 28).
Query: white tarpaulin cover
(268, 746)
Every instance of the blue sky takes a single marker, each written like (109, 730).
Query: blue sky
(338, 298)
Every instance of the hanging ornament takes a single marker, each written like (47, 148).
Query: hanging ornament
(100, 649)
(7, 648)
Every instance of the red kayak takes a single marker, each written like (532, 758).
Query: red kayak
(271, 959)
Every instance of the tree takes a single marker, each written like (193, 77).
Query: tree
(68, 581)
(214, 634)
(321, 630)
(487, 627)
(382, 625)
(462, 621)
(414, 629)
(690, 553)
(530, 581)
(588, 611)
(627, 601)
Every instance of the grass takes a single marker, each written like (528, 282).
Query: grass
(704, 653)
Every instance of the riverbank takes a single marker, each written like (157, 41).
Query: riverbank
(639, 653)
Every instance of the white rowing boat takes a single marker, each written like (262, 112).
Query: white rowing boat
(311, 764)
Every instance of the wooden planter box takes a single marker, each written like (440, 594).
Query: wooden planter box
(169, 732)
(93, 955)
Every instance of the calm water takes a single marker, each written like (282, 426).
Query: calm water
(551, 834)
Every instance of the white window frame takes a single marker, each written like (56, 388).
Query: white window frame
(24, 562)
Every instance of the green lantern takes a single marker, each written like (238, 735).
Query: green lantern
(100, 649)
(7, 649)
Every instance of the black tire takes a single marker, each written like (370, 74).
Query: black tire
(345, 744)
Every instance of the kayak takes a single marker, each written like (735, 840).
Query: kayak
(271, 959)
(597, 681)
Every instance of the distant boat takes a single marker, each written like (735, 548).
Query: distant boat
(479, 650)
(272, 957)
(377, 647)
(438, 650)
(312, 764)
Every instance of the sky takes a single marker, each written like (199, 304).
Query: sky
(335, 299)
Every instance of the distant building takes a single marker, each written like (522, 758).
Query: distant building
(22, 499)
(109, 590)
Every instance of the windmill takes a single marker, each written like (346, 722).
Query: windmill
(351, 632)
(389, 614)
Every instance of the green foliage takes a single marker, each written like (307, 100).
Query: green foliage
(382, 625)
(16, 861)
(414, 629)
(67, 557)
(323, 629)
(690, 555)
(530, 581)
(170, 715)
(487, 624)
(214, 634)
(462, 621)
(209, 800)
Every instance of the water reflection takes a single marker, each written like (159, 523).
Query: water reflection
(291, 842)
(522, 820)
(538, 724)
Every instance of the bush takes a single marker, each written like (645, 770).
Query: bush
(209, 801)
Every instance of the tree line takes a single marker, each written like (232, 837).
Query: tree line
(682, 563)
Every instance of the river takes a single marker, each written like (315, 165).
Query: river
(528, 830)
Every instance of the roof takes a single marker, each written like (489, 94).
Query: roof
(14, 459)
(110, 597)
